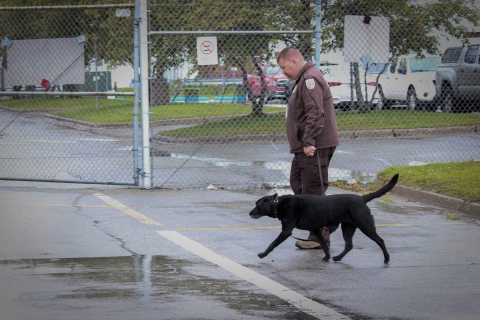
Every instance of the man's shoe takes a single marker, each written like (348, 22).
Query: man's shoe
(308, 245)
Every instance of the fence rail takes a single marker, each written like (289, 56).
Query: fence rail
(67, 94)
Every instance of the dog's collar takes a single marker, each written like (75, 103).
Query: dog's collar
(275, 205)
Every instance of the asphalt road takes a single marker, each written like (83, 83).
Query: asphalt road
(104, 252)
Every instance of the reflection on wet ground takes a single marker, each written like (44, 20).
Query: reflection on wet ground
(136, 287)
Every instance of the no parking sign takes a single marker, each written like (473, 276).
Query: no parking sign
(207, 51)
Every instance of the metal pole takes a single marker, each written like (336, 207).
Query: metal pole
(67, 7)
(66, 93)
(318, 39)
(96, 75)
(352, 102)
(121, 183)
(144, 75)
(151, 33)
(136, 85)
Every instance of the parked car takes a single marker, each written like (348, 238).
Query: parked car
(409, 79)
(342, 86)
(457, 81)
(274, 79)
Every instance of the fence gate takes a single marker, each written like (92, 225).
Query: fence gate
(53, 127)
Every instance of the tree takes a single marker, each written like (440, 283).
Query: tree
(297, 15)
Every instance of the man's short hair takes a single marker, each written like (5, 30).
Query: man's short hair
(288, 53)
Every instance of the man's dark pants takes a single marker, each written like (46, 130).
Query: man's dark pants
(305, 176)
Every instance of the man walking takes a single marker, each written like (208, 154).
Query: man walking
(311, 130)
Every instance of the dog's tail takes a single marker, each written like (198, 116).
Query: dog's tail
(380, 192)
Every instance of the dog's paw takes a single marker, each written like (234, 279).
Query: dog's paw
(326, 258)
(387, 259)
(337, 258)
(262, 255)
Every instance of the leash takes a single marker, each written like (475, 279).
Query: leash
(320, 172)
(321, 182)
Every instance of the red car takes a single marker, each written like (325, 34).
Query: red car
(274, 80)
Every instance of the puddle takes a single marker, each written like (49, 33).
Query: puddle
(135, 287)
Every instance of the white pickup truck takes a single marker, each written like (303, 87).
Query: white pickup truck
(457, 80)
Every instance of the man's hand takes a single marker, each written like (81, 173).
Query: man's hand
(309, 151)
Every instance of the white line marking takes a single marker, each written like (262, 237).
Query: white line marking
(297, 300)
(302, 303)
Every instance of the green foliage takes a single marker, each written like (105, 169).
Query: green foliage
(453, 217)
(387, 199)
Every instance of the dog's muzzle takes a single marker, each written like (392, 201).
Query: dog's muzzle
(254, 215)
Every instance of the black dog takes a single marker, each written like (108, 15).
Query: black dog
(310, 212)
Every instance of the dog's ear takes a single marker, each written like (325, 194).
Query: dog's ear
(266, 204)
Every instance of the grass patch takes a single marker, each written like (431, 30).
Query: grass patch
(403, 119)
(116, 112)
(453, 217)
(192, 110)
(387, 199)
(120, 111)
(455, 179)
(61, 103)
(248, 124)
(375, 120)
(354, 187)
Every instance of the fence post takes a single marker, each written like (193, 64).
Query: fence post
(136, 84)
(144, 75)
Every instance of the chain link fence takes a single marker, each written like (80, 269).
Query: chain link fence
(219, 98)
(404, 76)
(62, 115)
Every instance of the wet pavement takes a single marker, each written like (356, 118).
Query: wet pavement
(110, 252)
